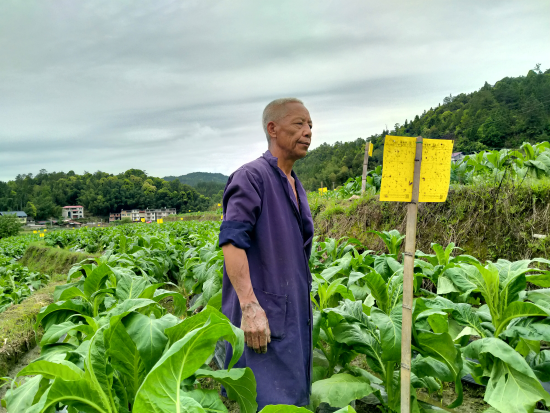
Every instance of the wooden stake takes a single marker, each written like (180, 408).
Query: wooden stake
(365, 166)
(408, 279)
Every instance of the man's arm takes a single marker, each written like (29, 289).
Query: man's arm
(254, 320)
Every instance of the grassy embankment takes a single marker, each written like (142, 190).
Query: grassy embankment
(195, 216)
(486, 221)
(17, 335)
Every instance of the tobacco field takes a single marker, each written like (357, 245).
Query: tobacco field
(135, 329)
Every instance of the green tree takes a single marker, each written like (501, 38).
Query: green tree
(9, 225)
(30, 209)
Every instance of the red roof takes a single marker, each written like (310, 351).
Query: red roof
(73, 206)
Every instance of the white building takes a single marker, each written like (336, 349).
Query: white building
(73, 211)
(149, 214)
(154, 214)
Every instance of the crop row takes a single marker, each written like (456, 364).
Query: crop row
(16, 281)
(469, 318)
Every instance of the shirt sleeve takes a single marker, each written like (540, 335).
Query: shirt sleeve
(242, 206)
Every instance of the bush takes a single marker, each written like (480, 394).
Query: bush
(9, 225)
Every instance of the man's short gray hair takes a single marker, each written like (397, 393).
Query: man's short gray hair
(274, 111)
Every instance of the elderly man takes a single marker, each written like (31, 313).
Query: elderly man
(266, 239)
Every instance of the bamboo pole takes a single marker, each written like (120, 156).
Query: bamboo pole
(365, 166)
(408, 278)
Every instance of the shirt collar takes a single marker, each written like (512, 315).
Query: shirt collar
(272, 160)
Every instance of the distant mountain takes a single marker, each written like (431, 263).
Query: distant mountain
(194, 178)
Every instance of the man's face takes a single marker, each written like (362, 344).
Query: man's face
(293, 131)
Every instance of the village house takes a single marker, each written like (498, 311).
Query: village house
(154, 214)
(113, 216)
(457, 156)
(137, 215)
(73, 211)
(21, 216)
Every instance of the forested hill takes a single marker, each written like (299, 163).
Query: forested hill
(43, 195)
(206, 183)
(194, 178)
(513, 111)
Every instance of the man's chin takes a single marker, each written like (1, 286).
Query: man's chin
(301, 153)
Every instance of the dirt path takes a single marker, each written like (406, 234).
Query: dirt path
(23, 362)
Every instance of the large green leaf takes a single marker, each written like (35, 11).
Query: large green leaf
(55, 332)
(180, 303)
(130, 287)
(386, 266)
(79, 394)
(441, 347)
(70, 293)
(63, 369)
(459, 277)
(148, 335)
(96, 279)
(351, 311)
(512, 386)
(445, 285)
(317, 319)
(540, 363)
(464, 315)
(149, 291)
(59, 312)
(361, 340)
(339, 390)
(98, 372)
(378, 288)
(160, 391)
(125, 359)
(442, 254)
(529, 329)
(19, 399)
(179, 331)
(208, 399)
(541, 280)
(487, 282)
(239, 384)
(390, 332)
(520, 309)
(430, 367)
(124, 308)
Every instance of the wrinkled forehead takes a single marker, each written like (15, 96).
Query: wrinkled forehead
(296, 110)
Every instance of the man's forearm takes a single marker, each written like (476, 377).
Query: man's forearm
(236, 265)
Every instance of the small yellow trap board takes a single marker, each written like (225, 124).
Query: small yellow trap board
(398, 171)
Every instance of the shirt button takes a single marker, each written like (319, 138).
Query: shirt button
(309, 321)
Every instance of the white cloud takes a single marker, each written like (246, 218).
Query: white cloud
(179, 86)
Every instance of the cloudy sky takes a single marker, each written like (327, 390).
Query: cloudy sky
(174, 87)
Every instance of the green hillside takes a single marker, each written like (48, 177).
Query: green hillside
(194, 178)
(512, 111)
(43, 195)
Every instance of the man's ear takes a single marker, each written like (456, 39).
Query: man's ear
(271, 130)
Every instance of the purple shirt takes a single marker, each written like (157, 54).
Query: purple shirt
(261, 216)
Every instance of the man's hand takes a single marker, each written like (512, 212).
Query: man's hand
(256, 327)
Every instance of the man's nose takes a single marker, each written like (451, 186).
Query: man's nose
(307, 131)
